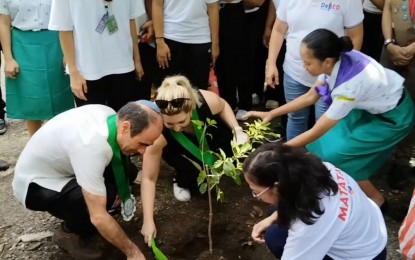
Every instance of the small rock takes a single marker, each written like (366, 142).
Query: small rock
(1, 248)
(259, 212)
(35, 237)
(250, 222)
(34, 246)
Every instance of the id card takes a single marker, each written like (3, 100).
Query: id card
(112, 24)
(102, 23)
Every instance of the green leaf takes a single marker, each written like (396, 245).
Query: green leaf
(201, 178)
(194, 163)
(219, 194)
(203, 188)
(237, 179)
(217, 164)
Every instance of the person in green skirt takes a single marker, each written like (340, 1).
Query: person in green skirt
(37, 88)
(368, 109)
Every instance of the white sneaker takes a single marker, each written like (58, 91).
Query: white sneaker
(271, 104)
(255, 99)
(181, 194)
(240, 115)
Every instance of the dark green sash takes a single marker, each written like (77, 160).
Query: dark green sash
(202, 156)
(116, 163)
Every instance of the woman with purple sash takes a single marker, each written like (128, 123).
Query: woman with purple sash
(368, 109)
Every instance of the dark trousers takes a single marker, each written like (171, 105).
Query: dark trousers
(276, 237)
(2, 106)
(113, 90)
(190, 60)
(234, 86)
(69, 204)
(372, 37)
(148, 61)
(2, 103)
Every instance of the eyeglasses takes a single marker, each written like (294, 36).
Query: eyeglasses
(175, 103)
(258, 195)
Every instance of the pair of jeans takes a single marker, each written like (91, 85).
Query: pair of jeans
(298, 121)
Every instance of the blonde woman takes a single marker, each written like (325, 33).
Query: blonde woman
(179, 103)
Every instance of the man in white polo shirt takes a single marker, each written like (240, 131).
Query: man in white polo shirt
(76, 168)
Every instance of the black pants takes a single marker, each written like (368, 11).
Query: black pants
(113, 90)
(190, 60)
(148, 61)
(2, 106)
(69, 204)
(2, 103)
(372, 37)
(234, 86)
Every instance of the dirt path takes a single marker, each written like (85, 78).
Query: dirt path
(182, 227)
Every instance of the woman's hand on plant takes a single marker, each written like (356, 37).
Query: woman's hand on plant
(149, 231)
(264, 116)
(11, 68)
(239, 136)
(259, 229)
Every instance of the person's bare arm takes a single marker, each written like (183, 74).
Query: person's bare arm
(303, 101)
(356, 35)
(108, 227)
(321, 127)
(78, 82)
(378, 3)
(213, 13)
(150, 172)
(269, 23)
(218, 106)
(277, 37)
(136, 53)
(163, 50)
(398, 55)
(11, 68)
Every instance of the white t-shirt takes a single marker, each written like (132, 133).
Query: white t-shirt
(369, 7)
(351, 227)
(306, 16)
(27, 15)
(97, 55)
(71, 145)
(372, 87)
(187, 21)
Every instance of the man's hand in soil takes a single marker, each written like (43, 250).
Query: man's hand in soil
(108, 227)
(149, 231)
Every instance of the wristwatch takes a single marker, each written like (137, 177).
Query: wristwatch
(388, 41)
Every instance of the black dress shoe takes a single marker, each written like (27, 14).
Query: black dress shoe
(3, 165)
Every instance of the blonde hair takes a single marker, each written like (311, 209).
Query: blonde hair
(178, 87)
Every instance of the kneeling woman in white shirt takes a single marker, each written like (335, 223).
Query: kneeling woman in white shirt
(368, 109)
(322, 213)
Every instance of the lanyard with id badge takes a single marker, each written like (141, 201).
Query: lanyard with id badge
(107, 21)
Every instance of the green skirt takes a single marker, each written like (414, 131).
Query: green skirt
(41, 89)
(361, 142)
